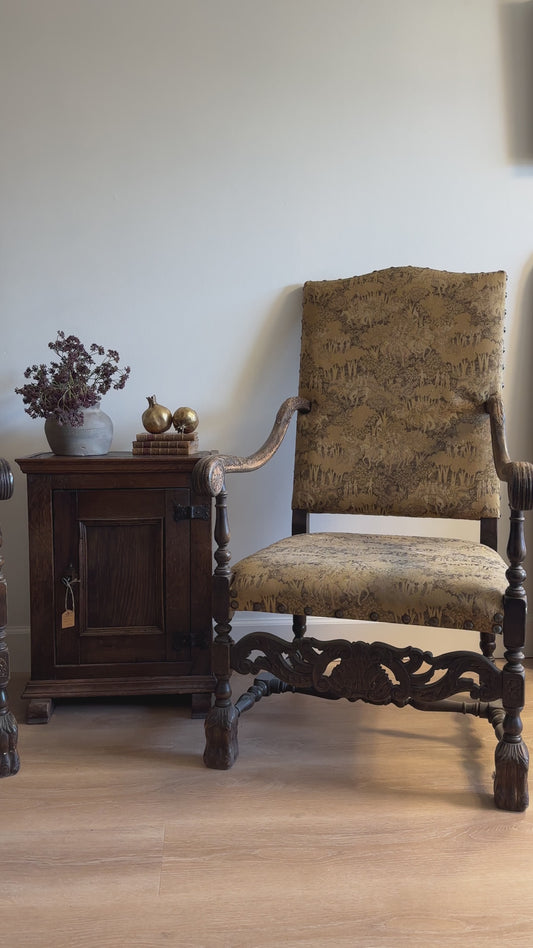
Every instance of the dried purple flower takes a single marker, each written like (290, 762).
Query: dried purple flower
(64, 388)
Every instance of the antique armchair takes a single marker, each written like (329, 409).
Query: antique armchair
(399, 413)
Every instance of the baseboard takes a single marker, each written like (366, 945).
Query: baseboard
(18, 643)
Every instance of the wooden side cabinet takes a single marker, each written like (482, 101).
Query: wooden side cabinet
(120, 579)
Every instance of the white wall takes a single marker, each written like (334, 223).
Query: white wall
(171, 172)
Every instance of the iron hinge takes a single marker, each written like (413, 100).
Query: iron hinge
(196, 512)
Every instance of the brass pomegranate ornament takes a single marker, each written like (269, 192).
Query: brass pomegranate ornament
(185, 419)
(156, 418)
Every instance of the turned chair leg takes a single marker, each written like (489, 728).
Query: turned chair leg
(221, 743)
(9, 758)
(512, 757)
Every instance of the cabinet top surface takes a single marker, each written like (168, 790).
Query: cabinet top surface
(115, 461)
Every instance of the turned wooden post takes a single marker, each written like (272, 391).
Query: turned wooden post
(512, 758)
(300, 524)
(489, 537)
(221, 749)
(9, 758)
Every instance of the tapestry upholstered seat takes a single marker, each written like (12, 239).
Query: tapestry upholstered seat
(399, 414)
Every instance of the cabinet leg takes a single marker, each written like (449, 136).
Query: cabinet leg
(40, 710)
(200, 704)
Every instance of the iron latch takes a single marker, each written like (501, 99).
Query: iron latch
(195, 512)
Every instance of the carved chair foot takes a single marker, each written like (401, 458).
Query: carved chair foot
(221, 744)
(510, 779)
(9, 758)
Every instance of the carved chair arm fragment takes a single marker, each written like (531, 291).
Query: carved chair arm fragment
(210, 473)
(518, 475)
(6, 480)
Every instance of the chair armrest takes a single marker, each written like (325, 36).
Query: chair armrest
(209, 474)
(6, 480)
(518, 475)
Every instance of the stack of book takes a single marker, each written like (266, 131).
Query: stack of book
(168, 442)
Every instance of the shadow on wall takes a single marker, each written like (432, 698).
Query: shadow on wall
(259, 502)
(516, 27)
(263, 378)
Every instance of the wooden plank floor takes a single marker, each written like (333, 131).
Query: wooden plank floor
(340, 825)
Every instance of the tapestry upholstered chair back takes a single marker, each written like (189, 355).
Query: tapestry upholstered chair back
(399, 414)
(398, 366)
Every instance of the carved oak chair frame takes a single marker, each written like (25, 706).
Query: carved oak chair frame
(9, 758)
(376, 672)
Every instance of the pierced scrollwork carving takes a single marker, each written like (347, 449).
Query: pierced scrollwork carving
(376, 673)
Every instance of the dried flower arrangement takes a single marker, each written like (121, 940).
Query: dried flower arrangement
(62, 389)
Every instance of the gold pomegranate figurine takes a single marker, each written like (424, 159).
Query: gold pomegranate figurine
(185, 419)
(156, 418)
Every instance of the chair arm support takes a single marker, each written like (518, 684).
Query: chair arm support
(518, 475)
(209, 474)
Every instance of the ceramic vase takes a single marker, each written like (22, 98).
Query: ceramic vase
(94, 436)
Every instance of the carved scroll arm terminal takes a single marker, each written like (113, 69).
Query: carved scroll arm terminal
(518, 475)
(210, 473)
(6, 480)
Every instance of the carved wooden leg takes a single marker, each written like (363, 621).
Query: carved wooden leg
(512, 757)
(510, 780)
(9, 758)
(221, 744)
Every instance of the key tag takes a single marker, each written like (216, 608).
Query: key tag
(68, 616)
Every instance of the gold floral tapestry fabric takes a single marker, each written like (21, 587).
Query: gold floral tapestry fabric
(424, 581)
(397, 365)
